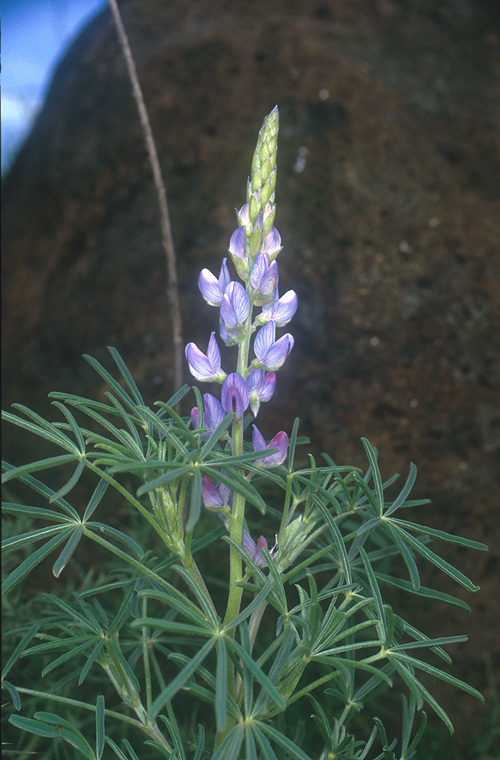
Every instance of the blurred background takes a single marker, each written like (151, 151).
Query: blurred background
(388, 204)
(35, 34)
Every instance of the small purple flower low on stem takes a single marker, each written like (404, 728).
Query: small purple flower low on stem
(213, 414)
(234, 395)
(280, 442)
(261, 387)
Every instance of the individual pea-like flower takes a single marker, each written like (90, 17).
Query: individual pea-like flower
(237, 250)
(280, 311)
(280, 442)
(213, 414)
(212, 288)
(271, 354)
(263, 279)
(235, 307)
(261, 387)
(215, 496)
(271, 244)
(205, 367)
(234, 395)
(254, 550)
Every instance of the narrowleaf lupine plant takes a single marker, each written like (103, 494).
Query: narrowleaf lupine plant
(163, 649)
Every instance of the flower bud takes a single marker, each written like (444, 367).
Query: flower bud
(254, 550)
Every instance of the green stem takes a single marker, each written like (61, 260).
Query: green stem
(236, 530)
(236, 524)
(145, 657)
(195, 574)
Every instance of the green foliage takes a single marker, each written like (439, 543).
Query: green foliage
(135, 656)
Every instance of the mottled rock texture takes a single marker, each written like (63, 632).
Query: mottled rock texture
(388, 205)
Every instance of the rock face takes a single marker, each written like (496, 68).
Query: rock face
(388, 205)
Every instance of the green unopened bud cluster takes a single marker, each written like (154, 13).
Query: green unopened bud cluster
(259, 210)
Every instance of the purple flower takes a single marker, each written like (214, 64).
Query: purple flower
(261, 387)
(230, 337)
(212, 289)
(280, 442)
(205, 367)
(244, 214)
(263, 279)
(235, 307)
(215, 497)
(272, 354)
(254, 550)
(271, 244)
(280, 311)
(213, 414)
(234, 395)
(237, 245)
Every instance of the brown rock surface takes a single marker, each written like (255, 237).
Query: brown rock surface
(391, 233)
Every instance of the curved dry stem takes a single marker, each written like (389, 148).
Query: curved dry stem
(166, 229)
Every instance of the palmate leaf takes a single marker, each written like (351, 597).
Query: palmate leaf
(429, 593)
(54, 726)
(175, 736)
(41, 464)
(181, 679)
(437, 672)
(42, 428)
(441, 534)
(372, 455)
(129, 402)
(230, 747)
(120, 754)
(25, 539)
(90, 661)
(419, 692)
(279, 739)
(436, 560)
(22, 570)
(19, 650)
(67, 552)
(125, 373)
(377, 597)
(73, 653)
(249, 664)
(401, 498)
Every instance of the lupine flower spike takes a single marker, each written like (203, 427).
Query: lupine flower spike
(253, 247)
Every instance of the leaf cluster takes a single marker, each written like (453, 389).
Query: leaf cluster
(315, 631)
